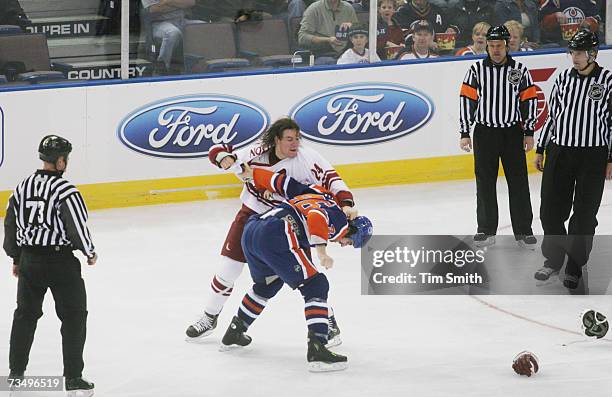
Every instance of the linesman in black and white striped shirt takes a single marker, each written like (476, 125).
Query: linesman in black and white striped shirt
(45, 221)
(576, 137)
(499, 98)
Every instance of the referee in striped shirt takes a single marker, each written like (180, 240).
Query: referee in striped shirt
(45, 221)
(576, 137)
(499, 97)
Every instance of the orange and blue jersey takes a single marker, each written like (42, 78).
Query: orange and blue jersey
(317, 209)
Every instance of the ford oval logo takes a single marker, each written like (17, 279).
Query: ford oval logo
(362, 114)
(187, 127)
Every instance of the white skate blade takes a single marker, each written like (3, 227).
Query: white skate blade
(229, 348)
(198, 339)
(486, 243)
(318, 366)
(80, 393)
(337, 341)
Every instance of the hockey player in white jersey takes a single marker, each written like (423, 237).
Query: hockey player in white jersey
(278, 150)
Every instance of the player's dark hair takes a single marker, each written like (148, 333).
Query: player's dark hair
(276, 131)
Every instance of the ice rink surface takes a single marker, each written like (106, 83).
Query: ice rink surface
(154, 272)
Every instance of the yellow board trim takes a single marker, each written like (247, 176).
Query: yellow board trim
(174, 190)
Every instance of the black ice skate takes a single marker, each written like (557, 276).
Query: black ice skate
(203, 327)
(484, 240)
(14, 377)
(545, 275)
(79, 387)
(13, 380)
(322, 360)
(333, 335)
(571, 282)
(527, 241)
(235, 335)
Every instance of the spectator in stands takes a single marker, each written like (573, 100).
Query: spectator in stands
(525, 11)
(324, 27)
(167, 21)
(517, 42)
(479, 40)
(11, 13)
(467, 14)
(422, 42)
(296, 8)
(417, 10)
(556, 13)
(357, 51)
(390, 38)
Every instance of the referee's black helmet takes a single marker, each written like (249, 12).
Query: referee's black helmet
(53, 147)
(584, 40)
(498, 33)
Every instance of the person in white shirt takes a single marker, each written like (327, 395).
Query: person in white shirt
(357, 51)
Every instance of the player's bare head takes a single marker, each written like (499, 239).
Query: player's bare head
(284, 137)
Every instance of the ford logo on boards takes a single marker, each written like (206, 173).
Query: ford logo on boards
(361, 114)
(187, 127)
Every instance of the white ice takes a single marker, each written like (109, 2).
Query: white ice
(155, 269)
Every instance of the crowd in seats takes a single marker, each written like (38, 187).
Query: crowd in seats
(196, 36)
(415, 29)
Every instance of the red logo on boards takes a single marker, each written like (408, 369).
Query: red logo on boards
(538, 76)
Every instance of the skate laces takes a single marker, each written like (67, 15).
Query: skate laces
(203, 323)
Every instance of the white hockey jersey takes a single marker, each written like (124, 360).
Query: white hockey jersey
(351, 56)
(307, 167)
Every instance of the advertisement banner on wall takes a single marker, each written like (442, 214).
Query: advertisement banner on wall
(187, 127)
(164, 129)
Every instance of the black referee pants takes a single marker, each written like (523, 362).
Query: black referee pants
(572, 176)
(60, 272)
(491, 144)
